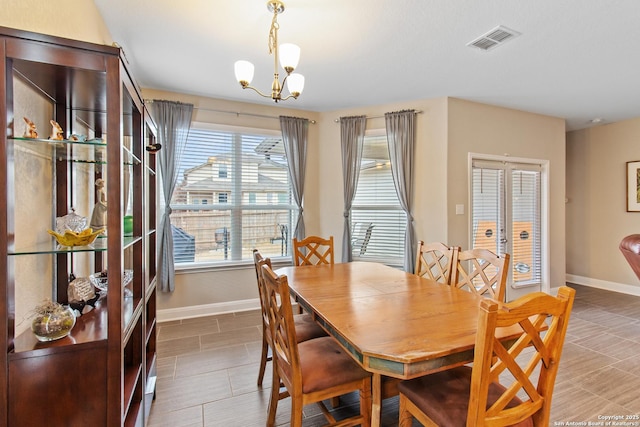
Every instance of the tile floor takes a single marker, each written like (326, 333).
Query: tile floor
(207, 369)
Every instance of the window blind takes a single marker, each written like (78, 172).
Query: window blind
(506, 215)
(232, 195)
(378, 222)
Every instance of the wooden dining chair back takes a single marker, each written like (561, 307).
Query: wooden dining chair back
(306, 326)
(313, 370)
(482, 272)
(510, 383)
(258, 262)
(313, 250)
(435, 261)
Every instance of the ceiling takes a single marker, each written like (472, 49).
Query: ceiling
(575, 59)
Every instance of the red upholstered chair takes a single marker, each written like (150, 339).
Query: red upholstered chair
(313, 370)
(508, 384)
(306, 328)
(630, 248)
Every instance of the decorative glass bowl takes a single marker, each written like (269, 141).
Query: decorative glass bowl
(72, 222)
(52, 321)
(100, 280)
(74, 238)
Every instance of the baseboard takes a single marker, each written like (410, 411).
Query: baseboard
(254, 304)
(603, 284)
(169, 314)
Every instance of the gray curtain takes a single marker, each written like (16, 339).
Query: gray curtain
(173, 120)
(401, 139)
(294, 138)
(352, 140)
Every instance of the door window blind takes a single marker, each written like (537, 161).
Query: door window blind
(506, 215)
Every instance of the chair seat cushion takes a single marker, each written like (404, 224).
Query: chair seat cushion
(444, 396)
(324, 364)
(307, 328)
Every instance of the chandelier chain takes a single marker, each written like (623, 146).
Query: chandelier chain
(273, 33)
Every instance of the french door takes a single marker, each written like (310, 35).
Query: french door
(506, 215)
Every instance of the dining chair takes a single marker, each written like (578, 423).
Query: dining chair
(508, 384)
(435, 261)
(482, 272)
(313, 250)
(305, 326)
(313, 370)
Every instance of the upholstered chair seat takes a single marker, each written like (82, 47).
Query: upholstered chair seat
(324, 365)
(444, 396)
(307, 328)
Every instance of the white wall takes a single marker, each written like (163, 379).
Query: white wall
(447, 129)
(199, 292)
(486, 129)
(430, 209)
(597, 219)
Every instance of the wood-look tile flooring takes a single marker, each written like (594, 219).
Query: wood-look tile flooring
(207, 369)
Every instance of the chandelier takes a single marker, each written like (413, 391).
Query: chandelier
(287, 53)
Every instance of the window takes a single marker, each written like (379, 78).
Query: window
(222, 171)
(232, 195)
(378, 223)
(506, 215)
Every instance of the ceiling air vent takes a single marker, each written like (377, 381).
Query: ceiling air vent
(493, 38)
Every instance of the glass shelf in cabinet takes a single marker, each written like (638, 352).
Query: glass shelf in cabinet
(99, 245)
(91, 151)
(129, 158)
(59, 142)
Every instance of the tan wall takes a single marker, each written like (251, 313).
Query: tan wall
(430, 164)
(323, 202)
(73, 19)
(220, 290)
(485, 129)
(597, 219)
(446, 131)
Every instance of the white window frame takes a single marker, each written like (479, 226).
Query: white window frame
(240, 263)
(392, 261)
(545, 285)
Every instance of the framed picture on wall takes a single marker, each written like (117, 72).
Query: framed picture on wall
(633, 186)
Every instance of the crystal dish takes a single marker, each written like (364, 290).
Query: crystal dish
(100, 279)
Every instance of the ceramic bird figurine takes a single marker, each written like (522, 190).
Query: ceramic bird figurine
(30, 130)
(56, 131)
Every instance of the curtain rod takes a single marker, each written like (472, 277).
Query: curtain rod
(377, 117)
(237, 113)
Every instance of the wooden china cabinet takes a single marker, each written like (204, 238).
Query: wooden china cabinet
(103, 373)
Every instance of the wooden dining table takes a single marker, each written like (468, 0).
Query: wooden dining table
(393, 323)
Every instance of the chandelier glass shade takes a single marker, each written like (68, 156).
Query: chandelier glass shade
(287, 54)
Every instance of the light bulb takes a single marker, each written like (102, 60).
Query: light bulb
(295, 84)
(244, 72)
(289, 56)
